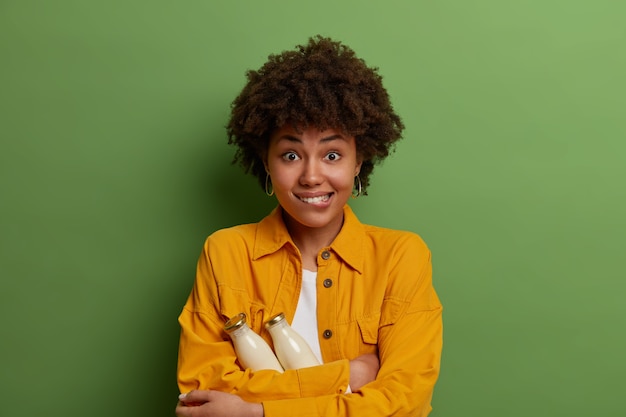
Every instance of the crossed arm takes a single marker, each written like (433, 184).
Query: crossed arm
(210, 403)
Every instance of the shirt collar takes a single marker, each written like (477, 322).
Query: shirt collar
(272, 235)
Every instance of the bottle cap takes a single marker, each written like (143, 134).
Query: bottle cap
(235, 322)
(275, 320)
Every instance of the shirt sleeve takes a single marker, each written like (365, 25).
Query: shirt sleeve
(409, 337)
(207, 359)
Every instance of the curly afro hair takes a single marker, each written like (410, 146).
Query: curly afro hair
(321, 84)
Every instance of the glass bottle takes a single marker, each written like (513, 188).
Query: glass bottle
(292, 350)
(252, 351)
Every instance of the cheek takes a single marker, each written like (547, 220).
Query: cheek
(344, 181)
(281, 178)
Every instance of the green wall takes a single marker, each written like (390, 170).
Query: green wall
(114, 168)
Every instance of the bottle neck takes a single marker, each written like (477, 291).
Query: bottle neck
(277, 326)
(240, 331)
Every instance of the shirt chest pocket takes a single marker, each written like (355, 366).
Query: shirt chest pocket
(369, 326)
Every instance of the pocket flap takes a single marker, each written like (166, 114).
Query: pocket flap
(369, 329)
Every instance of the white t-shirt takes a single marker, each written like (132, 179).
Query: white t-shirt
(305, 319)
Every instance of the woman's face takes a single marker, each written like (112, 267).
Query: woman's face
(312, 174)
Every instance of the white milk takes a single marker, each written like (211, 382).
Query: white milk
(252, 351)
(292, 350)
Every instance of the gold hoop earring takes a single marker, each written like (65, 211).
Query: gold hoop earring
(268, 185)
(358, 186)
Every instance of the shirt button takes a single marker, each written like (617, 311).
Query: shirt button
(325, 255)
(328, 283)
(328, 334)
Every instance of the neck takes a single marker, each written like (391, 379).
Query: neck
(310, 240)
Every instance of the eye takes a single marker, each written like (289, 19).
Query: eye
(290, 156)
(333, 156)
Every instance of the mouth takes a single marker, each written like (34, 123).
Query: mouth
(317, 199)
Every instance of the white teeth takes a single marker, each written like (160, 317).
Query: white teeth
(315, 200)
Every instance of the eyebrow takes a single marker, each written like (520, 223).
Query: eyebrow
(326, 139)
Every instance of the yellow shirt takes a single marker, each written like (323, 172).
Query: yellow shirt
(374, 295)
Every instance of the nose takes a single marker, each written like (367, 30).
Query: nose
(311, 174)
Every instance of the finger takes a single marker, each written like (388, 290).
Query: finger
(182, 410)
(195, 397)
(192, 410)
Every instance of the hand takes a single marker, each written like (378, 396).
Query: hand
(206, 403)
(363, 370)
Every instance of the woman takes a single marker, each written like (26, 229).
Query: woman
(310, 125)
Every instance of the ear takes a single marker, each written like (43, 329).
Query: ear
(357, 168)
(264, 160)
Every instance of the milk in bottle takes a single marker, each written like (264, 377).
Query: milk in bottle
(252, 351)
(292, 350)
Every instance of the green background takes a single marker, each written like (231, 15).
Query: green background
(114, 168)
